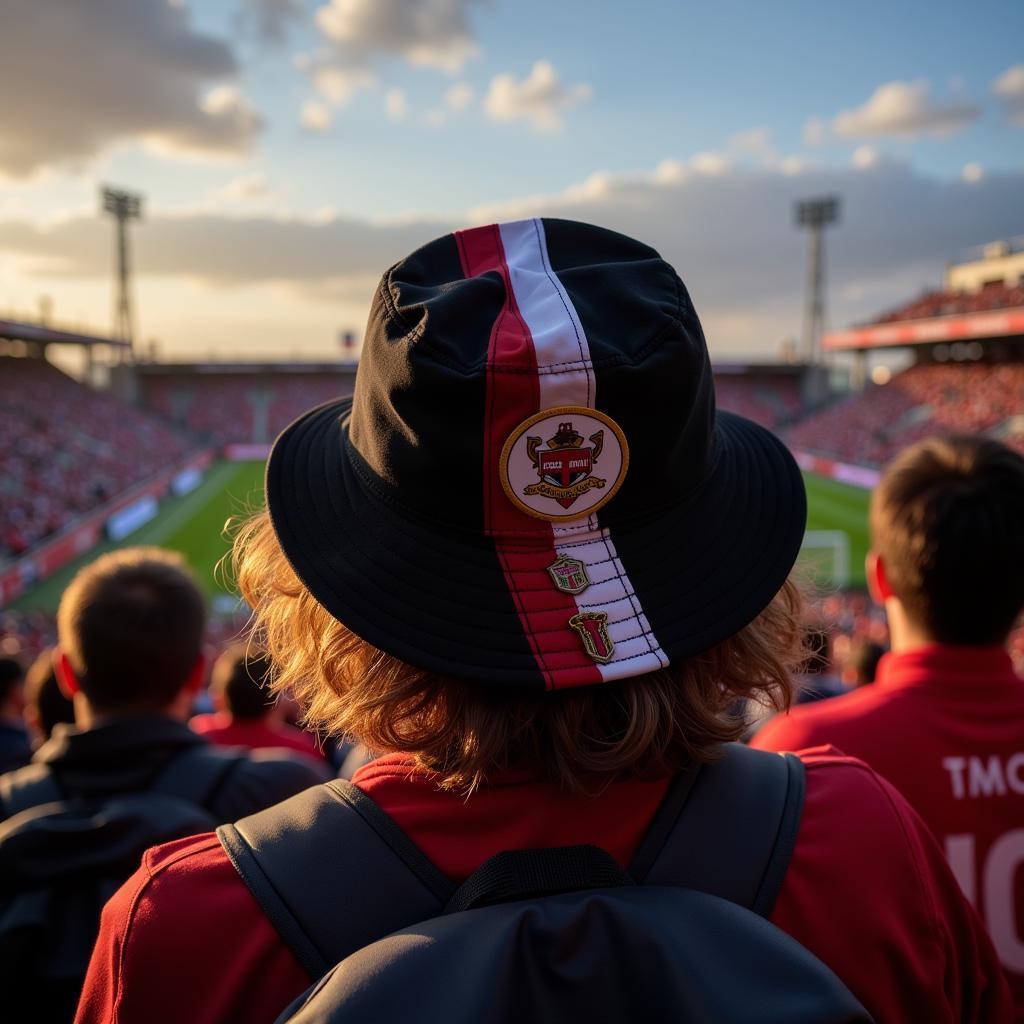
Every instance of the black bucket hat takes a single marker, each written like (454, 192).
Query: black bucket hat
(531, 485)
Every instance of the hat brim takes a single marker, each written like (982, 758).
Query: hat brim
(430, 596)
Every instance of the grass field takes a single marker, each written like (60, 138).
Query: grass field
(194, 525)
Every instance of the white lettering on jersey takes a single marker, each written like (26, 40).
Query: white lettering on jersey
(975, 776)
(1005, 857)
(998, 899)
(955, 767)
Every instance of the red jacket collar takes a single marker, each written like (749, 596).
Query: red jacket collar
(949, 666)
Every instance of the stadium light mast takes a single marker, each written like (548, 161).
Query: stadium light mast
(123, 206)
(815, 214)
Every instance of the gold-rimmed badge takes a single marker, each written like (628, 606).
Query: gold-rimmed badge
(593, 631)
(569, 575)
(564, 463)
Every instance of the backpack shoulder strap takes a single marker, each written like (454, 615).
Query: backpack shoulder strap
(732, 832)
(318, 865)
(197, 773)
(28, 787)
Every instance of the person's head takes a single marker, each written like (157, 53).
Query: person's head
(947, 532)
(861, 665)
(529, 540)
(238, 683)
(12, 689)
(45, 705)
(130, 633)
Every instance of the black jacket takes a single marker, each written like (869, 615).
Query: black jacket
(126, 754)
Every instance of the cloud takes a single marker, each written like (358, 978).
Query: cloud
(730, 235)
(269, 20)
(815, 132)
(457, 100)
(905, 110)
(459, 96)
(395, 104)
(427, 33)
(1009, 88)
(246, 187)
(539, 98)
(315, 117)
(88, 76)
(865, 157)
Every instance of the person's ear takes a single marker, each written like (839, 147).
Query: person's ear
(196, 676)
(878, 580)
(67, 681)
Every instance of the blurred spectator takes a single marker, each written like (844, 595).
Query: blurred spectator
(862, 664)
(246, 714)
(129, 776)
(15, 747)
(45, 705)
(943, 721)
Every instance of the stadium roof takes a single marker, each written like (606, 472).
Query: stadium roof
(989, 324)
(17, 330)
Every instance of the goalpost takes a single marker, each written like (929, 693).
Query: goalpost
(825, 554)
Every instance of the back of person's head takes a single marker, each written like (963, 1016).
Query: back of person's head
(131, 627)
(12, 678)
(947, 521)
(530, 539)
(238, 682)
(45, 704)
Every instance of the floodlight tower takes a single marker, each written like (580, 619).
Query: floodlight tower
(124, 206)
(815, 214)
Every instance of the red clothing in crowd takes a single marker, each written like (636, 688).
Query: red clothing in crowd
(945, 725)
(254, 733)
(867, 891)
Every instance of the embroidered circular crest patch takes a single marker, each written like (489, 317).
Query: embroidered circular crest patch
(564, 463)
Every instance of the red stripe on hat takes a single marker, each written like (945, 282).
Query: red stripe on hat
(511, 397)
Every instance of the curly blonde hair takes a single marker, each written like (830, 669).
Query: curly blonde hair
(579, 739)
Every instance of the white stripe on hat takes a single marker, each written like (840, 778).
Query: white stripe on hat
(566, 377)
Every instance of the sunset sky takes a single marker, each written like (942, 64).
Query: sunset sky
(289, 150)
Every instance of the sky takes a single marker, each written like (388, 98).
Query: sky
(288, 151)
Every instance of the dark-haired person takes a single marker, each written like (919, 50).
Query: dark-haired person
(128, 775)
(245, 714)
(15, 745)
(531, 565)
(861, 665)
(944, 721)
(46, 705)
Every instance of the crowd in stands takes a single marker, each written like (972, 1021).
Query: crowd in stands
(238, 408)
(67, 449)
(929, 398)
(943, 303)
(768, 399)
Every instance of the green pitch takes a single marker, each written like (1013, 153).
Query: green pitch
(835, 506)
(194, 525)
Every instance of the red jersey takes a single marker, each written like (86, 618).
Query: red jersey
(867, 891)
(945, 725)
(256, 734)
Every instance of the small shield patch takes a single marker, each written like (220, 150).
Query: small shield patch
(593, 630)
(569, 575)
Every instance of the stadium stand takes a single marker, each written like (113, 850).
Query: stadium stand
(770, 399)
(929, 398)
(237, 408)
(948, 303)
(68, 449)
